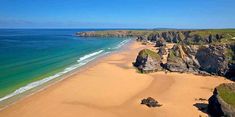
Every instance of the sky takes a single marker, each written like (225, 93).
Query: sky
(183, 14)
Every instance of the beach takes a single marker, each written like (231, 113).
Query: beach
(112, 87)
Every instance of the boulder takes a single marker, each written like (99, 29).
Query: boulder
(148, 61)
(222, 102)
(150, 102)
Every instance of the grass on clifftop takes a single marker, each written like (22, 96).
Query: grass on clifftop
(147, 52)
(228, 34)
(227, 94)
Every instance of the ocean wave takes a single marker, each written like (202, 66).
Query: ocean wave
(89, 55)
(80, 62)
(120, 44)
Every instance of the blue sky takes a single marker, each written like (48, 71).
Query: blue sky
(117, 13)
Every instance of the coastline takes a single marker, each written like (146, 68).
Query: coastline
(14, 99)
(110, 86)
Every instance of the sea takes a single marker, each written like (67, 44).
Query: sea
(30, 58)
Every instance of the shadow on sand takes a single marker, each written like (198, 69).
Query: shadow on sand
(202, 107)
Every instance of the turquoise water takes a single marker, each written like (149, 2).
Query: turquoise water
(29, 58)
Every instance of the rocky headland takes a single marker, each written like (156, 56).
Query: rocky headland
(205, 52)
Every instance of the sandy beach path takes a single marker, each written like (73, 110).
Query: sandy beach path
(111, 87)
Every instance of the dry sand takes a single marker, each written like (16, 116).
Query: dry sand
(111, 87)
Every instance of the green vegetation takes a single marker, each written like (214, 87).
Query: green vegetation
(227, 94)
(147, 52)
(172, 55)
(181, 36)
(227, 34)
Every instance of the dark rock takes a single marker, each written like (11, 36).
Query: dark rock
(231, 58)
(160, 42)
(142, 38)
(212, 59)
(150, 102)
(162, 51)
(231, 72)
(217, 106)
(148, 61)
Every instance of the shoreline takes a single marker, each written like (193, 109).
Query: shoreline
(12, 100)
(110, 86)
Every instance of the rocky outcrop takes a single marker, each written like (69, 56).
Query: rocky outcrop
(150, 102)
(221, 103)
(168, 36)
(142, 38)
(206, 60)
(181, 59)
(160, 42)
(212, 59)
(148, 61)
(162, 51)
(203, 60)
(196, 38)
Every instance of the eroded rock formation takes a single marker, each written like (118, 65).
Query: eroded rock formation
(212, 59)
(148, 61)
(181, 59)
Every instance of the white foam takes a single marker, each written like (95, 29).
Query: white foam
(121, 44)
(89, 55)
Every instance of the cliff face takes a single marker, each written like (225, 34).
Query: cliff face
(207, 59)
(212, 59)
(230, 54)
(188, 36)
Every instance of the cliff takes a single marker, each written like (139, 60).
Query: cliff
(174, 36)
